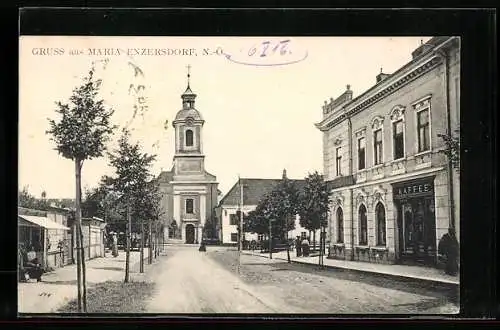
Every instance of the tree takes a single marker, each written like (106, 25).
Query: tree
(133, 182)
(452, 149)
(314, 204)
(27, 200)
(210, 227)
(80, 134)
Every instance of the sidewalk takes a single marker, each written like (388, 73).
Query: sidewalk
(59, 286)
(412, 272)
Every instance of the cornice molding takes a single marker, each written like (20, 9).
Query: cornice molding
(419, 71)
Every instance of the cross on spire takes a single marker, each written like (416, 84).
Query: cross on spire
(189, 72)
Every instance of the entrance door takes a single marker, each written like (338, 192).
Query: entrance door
(417, 233)
(189, 234)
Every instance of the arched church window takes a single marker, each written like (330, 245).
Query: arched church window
(189, 138)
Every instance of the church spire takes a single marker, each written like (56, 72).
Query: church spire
(188, 96)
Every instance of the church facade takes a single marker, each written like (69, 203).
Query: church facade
(189, 191)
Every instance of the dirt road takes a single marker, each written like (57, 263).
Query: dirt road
(188, 281)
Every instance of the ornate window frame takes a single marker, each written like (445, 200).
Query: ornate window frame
(360, 134)
(375, 204)
(377, 123)
(398, 113)
(362, 204)
(420, 105)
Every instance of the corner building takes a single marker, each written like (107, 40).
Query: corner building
(189, 192)
(394, 192)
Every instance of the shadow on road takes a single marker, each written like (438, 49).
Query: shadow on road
(119, 269)
(409, 285)
(70, 282)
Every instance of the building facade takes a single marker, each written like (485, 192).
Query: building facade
(189, 191)
(394, 192)
(253, 191)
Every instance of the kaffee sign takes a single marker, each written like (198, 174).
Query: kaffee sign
(414, 188)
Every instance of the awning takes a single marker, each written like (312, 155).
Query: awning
(43, 222)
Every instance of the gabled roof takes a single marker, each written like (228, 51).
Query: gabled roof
(254, 190)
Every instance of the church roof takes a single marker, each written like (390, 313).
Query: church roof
(254, 190)
(185, 113)
(188, 91)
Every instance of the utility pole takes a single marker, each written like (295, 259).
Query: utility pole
(141, 267)
(241, 224)
(270, 240)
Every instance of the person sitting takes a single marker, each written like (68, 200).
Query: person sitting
(31, 266)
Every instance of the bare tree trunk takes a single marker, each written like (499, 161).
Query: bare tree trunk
(78, 219)
(129, 235)
(150, 240)
(141, 268)
(84, 277)
(287, 243)
(78, 267)
(314, 240)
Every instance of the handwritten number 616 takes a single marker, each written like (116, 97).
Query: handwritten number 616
(265, 45)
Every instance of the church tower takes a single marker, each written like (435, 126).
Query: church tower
(189, 191)
(188, 124)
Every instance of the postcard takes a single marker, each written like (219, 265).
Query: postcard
(250, 175)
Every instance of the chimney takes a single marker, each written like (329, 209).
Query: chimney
(284, 174)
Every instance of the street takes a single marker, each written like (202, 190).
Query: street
(188, 281)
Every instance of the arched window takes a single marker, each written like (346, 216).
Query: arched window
(340, 225)
(363, 226)
(189, 138)
(380, 220)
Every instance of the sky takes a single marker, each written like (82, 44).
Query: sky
(259, 111)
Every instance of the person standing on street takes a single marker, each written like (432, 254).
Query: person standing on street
(298, 246)
(115, 245)
(305, 247)
(448, 248)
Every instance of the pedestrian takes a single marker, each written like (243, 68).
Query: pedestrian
(305, 247)
(298, 247)
(31, 265)
(114, 244)
(448, 248)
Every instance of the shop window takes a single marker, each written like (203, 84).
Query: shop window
(398, 139)
(423, 130)
(189, 138)
(340, 225)
(363, 226)
(380, 220)
(377, 146)
(361, 153)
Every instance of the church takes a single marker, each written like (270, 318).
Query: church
(189, 191)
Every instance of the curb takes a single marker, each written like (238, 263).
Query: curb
(399, 276)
